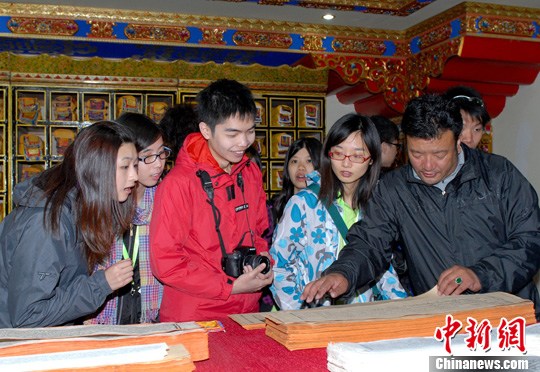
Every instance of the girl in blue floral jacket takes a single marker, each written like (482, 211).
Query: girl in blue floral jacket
(307, 239)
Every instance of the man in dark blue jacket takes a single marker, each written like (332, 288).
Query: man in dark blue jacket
(469, 221)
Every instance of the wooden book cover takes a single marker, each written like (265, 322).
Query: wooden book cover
(410, 317)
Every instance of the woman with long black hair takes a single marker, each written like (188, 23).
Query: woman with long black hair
(315, 221)
(63, 224)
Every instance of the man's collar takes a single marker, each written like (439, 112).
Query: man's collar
(443, 183)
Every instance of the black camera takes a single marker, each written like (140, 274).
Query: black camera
(233, 263)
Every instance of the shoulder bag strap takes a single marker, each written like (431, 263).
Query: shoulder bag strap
(334, 213)
(338, 220)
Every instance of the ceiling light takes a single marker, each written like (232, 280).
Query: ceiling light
(328, 17)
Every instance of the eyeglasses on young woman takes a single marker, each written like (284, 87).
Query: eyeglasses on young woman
(152, 158)
(336, 155)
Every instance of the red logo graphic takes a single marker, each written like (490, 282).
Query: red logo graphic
(509, 333)
(448, 332)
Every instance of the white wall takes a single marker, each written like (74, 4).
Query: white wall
(516, 135)
(335, 110)
(516, 132)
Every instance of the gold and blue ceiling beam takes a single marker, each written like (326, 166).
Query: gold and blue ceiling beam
(170, 31)
(396, 65)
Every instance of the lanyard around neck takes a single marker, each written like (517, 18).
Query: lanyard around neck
(133, 245)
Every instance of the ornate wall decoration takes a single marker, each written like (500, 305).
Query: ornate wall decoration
(503, 26)
(458, 11)
(49, 66)
(434, 36)
(396, 89)
(212, 36)
(380, 73)
(281, 78)
(146, 72)
(359, 46)
(407, 79)
(159, 33)
(399, 79)
(313, 42)
(351, 69)
(102, 30)
(42, 26)
(500, 11)
(262, 39)
(402, 49)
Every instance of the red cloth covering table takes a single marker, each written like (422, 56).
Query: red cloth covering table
(238, 349)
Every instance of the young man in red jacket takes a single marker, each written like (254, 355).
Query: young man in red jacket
(211, 272)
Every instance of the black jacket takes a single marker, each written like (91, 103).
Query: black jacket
(43, 276)
(487, 219)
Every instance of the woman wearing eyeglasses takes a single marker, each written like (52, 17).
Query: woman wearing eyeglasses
(311, 232)
(139, 301)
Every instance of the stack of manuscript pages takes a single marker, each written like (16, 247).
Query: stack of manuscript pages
(250, 321)
(143, 347)
(381, 320)
(412, 354)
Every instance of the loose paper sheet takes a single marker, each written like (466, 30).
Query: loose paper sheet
(95, 330)
(409, 307)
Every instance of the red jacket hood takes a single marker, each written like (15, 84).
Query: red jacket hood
(196, 153)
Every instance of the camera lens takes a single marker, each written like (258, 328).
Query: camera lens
(256, 260)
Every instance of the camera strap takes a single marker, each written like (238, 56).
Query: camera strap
(208, 187)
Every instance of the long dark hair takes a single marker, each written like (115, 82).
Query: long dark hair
(89, 170)
(313, 147)
(331, 186)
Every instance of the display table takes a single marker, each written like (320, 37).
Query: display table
(237, 349)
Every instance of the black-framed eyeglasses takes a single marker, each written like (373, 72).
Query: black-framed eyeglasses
(152, 158)
(399, 146)
(474, 100)
(336, 155)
